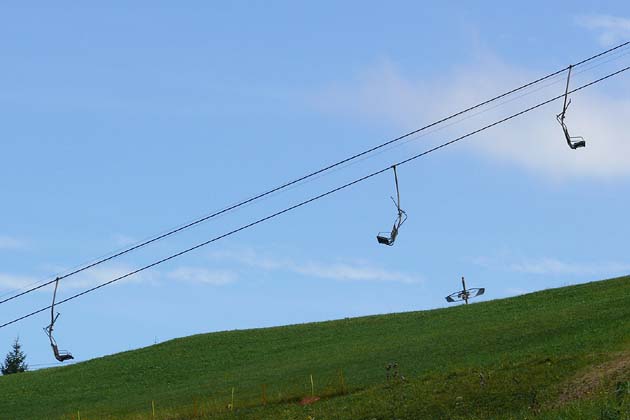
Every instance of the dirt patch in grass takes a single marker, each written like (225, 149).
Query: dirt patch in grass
(589, 381)
(309, 400)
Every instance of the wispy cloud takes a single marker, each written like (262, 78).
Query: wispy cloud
(123, 240)
(512, 291)
(611, 29)
(15, 282)
(552, 266)
(11, 243)
(340, 271)
(90, 278)
(202, 276)
(534, 141)
(99, 275)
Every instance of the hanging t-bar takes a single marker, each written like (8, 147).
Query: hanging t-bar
(574, 142)
(388, 238)
(60, 355)
(465, 294)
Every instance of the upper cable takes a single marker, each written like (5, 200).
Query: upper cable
(307, 176)
(322, 195)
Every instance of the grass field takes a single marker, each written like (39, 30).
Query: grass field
(556, 354)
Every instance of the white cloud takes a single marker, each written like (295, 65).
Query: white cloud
(333, 271)
(340, 271)
(99, 275)
(552, 266)
(10, 243)
(534, 141)
(15, 282)
(124, 240)
(202, 275)
(611, 29)
(512, 291)
(84, 280)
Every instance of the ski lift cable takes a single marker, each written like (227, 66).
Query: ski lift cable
(559, 78)
(322, 195)
(555, 80)
(192, 223)
(107, 257)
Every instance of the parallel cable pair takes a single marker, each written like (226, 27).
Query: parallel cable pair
(242, 203)
(325, 194)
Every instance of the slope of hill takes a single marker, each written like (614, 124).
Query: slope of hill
(560, 353)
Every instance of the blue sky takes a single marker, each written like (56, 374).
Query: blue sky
(121, 122)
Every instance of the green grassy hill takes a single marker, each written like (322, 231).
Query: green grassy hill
(561, 353)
